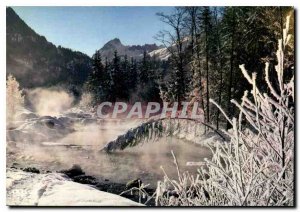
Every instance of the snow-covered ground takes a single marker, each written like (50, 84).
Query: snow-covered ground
(54, 189)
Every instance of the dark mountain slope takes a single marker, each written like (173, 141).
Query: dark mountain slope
(36, 62)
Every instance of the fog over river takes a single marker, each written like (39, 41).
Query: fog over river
(82, 147)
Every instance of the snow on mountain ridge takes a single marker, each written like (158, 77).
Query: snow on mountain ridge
(162, 54)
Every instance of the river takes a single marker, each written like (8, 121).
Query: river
(82, 148)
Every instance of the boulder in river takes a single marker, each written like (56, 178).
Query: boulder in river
(73, 172)
(31, 169)
(85, 179)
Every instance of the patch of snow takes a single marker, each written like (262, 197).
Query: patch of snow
(54, 189)
(162, 54)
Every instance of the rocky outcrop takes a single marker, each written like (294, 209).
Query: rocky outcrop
(135, 51)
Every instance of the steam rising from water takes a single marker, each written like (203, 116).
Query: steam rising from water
(51, 102)
(139, 162)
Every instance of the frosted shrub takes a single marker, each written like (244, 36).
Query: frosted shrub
(86, 101)
(14, 98)
(256, 168)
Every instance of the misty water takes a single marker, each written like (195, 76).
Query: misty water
(82, 148)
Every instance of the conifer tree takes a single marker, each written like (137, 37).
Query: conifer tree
(132, 75)
(119, 78)
(99, 81)
(144, 69)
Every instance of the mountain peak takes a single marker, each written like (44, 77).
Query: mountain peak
(112, 44)
(135, 51)
(116, 40)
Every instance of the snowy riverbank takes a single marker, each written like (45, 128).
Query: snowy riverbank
(55, 189)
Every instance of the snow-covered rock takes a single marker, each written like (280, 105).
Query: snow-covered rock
(40, 129)
(54, 189)
(26, 116)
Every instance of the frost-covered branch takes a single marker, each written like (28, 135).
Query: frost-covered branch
(154, 129)
(14, 98)
(257, 167)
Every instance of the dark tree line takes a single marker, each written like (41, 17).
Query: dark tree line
(123, 79)
(206, 46)
(211, 43)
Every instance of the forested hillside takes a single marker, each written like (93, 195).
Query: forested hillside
(36, 62)
(200, 61)
(205, 46)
